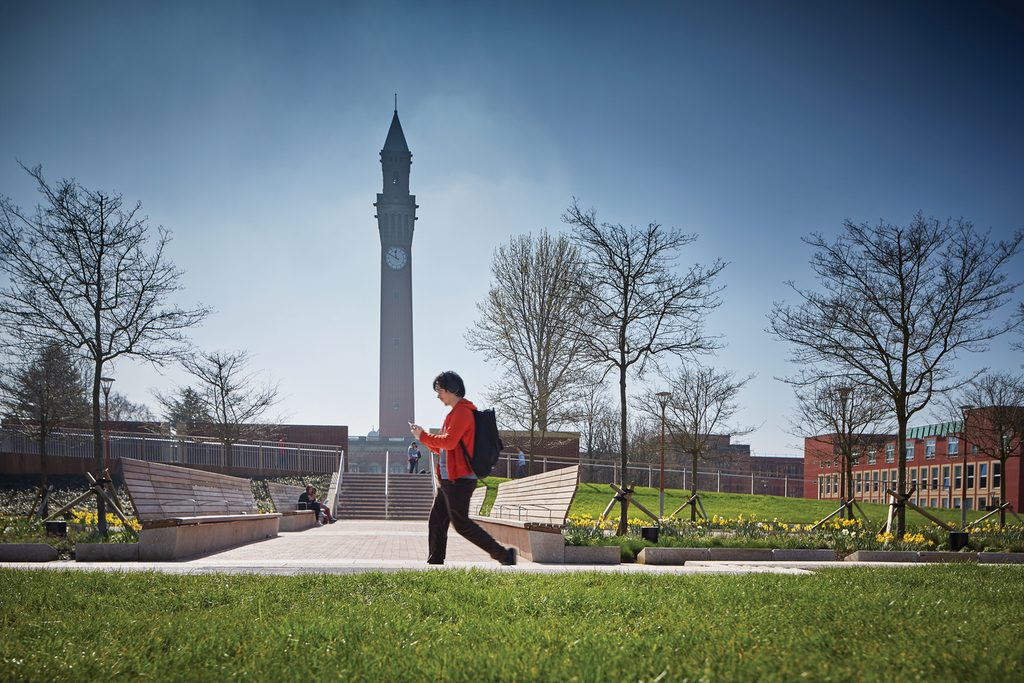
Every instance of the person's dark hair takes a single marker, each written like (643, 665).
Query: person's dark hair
(450, 381)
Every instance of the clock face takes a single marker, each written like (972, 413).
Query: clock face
(395, 258)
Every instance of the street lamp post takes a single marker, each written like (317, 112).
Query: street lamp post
(105, 383)
(844, 445)
(663, 398)
(963, 475)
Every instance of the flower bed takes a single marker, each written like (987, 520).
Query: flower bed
(843, 536)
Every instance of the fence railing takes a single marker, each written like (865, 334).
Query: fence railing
(271, 457)
(607, 471)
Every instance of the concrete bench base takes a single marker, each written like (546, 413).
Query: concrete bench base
(191, 536)
(27, 552)
(106, 552)
(297, 520)
(534, 543)
(739, 554)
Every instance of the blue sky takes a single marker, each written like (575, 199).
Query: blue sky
(251, 130)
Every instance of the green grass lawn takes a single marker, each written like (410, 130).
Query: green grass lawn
(953, 622)
(593, 498)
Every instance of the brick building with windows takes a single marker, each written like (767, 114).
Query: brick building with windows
(935, 464)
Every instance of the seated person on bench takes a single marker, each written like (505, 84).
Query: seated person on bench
(321, 511)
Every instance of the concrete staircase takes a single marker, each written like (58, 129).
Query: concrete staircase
(361, 496)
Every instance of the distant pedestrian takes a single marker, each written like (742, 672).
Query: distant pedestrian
(414, 457)
(520, 464)
(454, 447)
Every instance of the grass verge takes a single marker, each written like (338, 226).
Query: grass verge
(954, 622)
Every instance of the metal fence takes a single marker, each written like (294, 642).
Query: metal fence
(606, 471)
(270, 457)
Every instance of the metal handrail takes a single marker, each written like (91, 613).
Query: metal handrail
(387, 482)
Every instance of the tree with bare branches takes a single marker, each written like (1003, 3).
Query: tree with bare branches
(84, 271)
(639, 306)
(995, 417)
(527, 325)
(848, 416)
(42, 396)
(231, 395)
(896, 305)
(699, 412)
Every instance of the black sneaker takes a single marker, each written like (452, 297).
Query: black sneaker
(510, 558)
(435, 561)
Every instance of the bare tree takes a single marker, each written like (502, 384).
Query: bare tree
(847, 416)
(699, 412)
(996, 420)
(592, 405)
(527, 325)
(124, 410)
(232, 396)
(637, 306)
(42, 396)
(84, 272)
(896, 305)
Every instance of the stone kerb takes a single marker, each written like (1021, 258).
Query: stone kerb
(27, 552)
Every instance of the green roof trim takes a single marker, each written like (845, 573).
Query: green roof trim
(941, 429)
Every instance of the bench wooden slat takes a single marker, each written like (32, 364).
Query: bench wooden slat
(160, 491)
(541, 498)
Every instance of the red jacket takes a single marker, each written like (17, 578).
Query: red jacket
(459, 427)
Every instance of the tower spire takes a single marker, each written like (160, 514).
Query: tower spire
(396, 103)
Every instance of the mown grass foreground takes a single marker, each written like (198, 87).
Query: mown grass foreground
(955, 622)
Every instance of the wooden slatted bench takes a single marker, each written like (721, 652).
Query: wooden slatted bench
(285, 498)
(528, 513)
(186, 512)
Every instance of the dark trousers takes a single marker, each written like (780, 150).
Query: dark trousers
(451, 505)
(413, 464)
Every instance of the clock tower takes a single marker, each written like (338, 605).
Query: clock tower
(396, 214)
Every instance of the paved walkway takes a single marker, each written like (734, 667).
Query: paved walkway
(353, 546)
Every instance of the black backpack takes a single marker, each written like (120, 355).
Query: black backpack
(486, 444)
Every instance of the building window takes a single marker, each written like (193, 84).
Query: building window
(933, 503)
(875, 478)
(956, 477)
(970, 477)
(913, 478)
(952, 445)
(890, 452)
(981, 503)
(855, 458)
(929, 449)
(859, 482)
(910, 449)
(935, 478)
(997, 474)
(945, 477)
(871, 456)
(983, 477)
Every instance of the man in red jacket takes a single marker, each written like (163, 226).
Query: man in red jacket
(454, 448)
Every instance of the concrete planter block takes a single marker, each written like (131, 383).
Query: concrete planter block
(804, 555)
(740, 554)
(27, 552)
(592, 554)
(106, 552)
(299, 520)
(671, 556)
(1001, 558)
(946, 556)
(882, 556)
